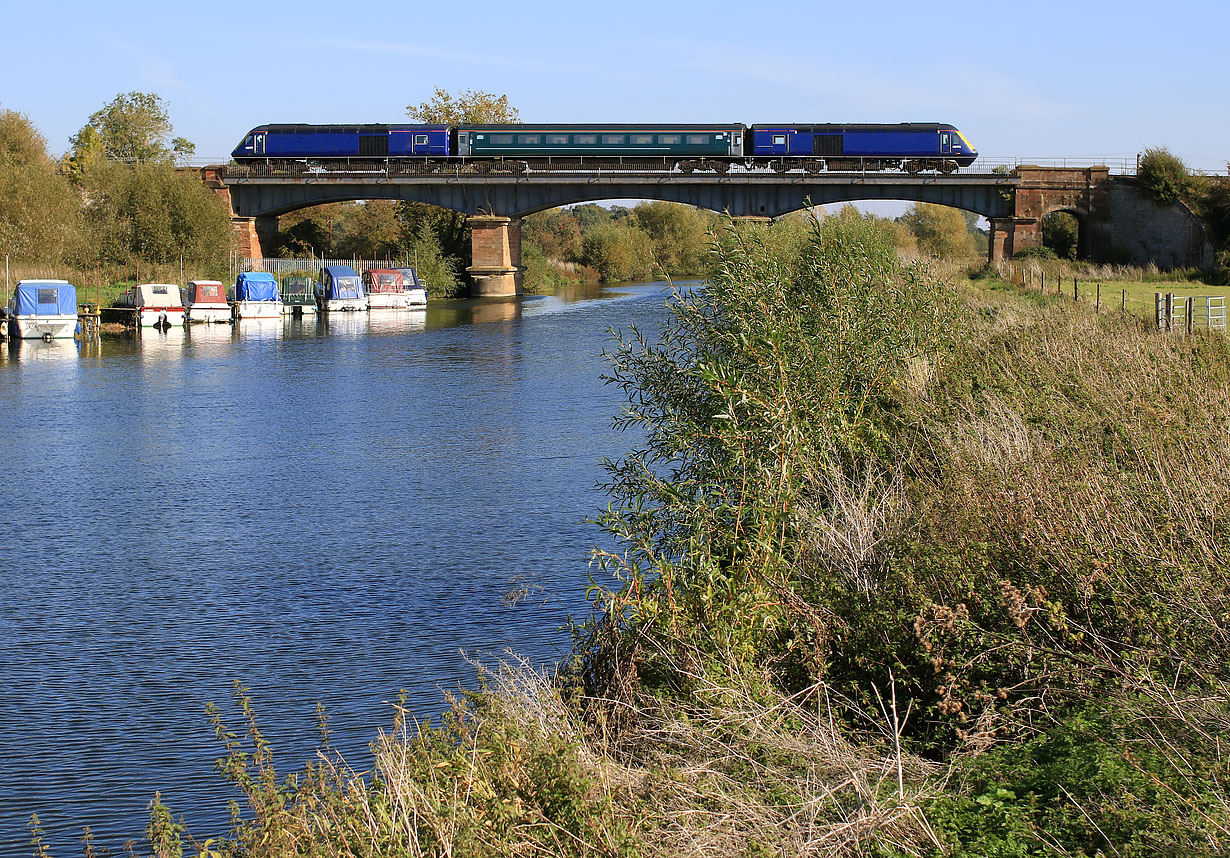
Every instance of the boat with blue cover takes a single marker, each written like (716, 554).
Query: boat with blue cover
(43, 310)
(257, 296)
(339, 289)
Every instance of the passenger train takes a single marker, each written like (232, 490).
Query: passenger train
(910, 146)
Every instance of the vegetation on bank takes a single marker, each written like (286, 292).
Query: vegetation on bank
(1166, 179)
(115, 203)
(907, 568)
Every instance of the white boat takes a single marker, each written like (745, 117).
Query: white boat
(158, 305)
(339, 289)
(387, 290)
(257, 296)
(416, 289)
(207, 302)
(43, 310)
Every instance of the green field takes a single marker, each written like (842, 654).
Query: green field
(1134, 297)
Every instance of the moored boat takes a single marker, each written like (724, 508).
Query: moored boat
(386, 289)
(257, 296)
(416, 289)
(340, 290)
(298, 295)
(207, 302)
(43, 310)
(157, 305)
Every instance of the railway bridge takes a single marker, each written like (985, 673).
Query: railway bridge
(497, 195)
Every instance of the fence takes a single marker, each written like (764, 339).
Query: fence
(311, 265)
(1185, 313)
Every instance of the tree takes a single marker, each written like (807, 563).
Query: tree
(1164, 176)
(132, 128)
(678, 234)
(557, 233)
(40, 211)
(941, 231)
(450, 227)
(20, 142)
(1061, 233)
(370, 230)
(468, 105)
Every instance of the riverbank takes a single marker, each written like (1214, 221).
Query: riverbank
(903, 567)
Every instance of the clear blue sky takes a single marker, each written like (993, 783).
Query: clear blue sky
(1022, 80)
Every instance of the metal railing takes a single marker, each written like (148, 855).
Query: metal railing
(310, 265)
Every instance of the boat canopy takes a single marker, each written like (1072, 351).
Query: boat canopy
(159, 295)
(206, 292)
(410, 276)
(256, 286)
(340, 282)
(383, 280)
(45, 298)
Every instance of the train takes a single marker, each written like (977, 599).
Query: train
(909, 146)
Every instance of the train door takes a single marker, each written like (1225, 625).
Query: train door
(945, 143)
(420, 144)
(258, 144)
(778, 143)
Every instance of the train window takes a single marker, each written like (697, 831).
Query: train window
(670, 138)
(501, 139)
(642, 139)
(698, 139)
(534, 139)
(614, 139)
(585, 138)
(420, 139)
(779, 139)
(557, 139)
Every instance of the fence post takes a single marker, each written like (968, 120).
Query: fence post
(1043, 273)
(1169, 309)
(1191, 308)
(1075, 297)
(1097, 307)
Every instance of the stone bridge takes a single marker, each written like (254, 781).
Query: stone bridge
(1111, 214)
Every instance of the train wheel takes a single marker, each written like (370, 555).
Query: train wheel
(721, 168)
(948, 167)
(912, 167)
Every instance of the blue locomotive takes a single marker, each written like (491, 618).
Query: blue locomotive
(906, 146)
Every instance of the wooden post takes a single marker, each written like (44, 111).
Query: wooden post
(1043, 273)
(1191, 312)
(1123, 306)
(1097, 307)
(1075, 297)
(1169, 310)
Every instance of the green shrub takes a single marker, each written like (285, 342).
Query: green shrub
(1164, 176)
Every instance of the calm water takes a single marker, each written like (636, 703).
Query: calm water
(324, 511)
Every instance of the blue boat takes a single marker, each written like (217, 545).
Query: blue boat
(257, 296)
(340, 289)
(43, 310)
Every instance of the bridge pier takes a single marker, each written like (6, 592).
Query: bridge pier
(496, 246)
(254, 235)
(1010, 235)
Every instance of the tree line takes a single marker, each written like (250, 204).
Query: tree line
(114, 200)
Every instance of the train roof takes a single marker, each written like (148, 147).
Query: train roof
(368, 128)
(836, 127)
(599, 126)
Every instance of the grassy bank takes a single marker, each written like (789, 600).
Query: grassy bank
(908, 566)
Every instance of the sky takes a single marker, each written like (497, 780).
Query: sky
(1041, 81)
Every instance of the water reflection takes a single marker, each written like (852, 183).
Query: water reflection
(33, 351)
(396, 321)
(167, 344)
(263, 330)
(210, 339)
(347, 325)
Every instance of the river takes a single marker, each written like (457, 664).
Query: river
(324, 511)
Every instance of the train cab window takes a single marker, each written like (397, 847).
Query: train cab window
(614, 139)
(557, 139)
(642, 139)
(585, 138)
(501, 139)
(697, 139)
(670, 139)
(779, 139)
(532, 139)
(420, 139)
